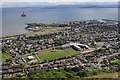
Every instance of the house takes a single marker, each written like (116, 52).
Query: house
(30, 58)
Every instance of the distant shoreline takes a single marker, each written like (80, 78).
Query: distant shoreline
(56, 7)
(66, 22)
(63, 5)
(14, 24)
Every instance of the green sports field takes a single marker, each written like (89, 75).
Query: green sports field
(56, 54)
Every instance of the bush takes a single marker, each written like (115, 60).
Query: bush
(82, 74)
(69, 75)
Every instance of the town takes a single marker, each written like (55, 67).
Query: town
(82, 45)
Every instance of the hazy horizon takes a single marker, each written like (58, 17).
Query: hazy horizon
(44, 4)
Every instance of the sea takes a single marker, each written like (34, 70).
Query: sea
(14, 24)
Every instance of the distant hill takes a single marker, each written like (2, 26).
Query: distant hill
(91, 5)
(64, 5)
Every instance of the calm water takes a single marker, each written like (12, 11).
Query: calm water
(13, 23)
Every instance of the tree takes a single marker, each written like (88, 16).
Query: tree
(82, 74)
(69, 75)
(4, 50)
(97, 39)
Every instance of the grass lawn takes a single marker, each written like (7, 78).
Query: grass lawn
(4, 56)
(51, 55)
(114, 61)
(106, 75)
(44, 31)
(38, 59)
(71, 51)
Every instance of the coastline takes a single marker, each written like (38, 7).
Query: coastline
(32, 29)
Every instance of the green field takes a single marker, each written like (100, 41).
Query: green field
(4, 56)
(106, 75)
(44, 30)
(115, 61)
(52, 55)
(71, 51)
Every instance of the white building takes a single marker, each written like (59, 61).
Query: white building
(76, 46)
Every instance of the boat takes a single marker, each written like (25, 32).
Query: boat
(23, 15)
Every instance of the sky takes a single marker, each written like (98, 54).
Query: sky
(56, 1)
